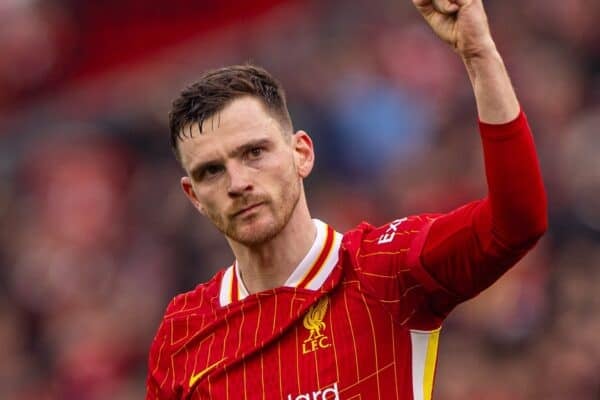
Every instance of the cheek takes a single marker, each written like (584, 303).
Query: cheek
(209, 200)
(283, 179)
(289, 168)
(274, 172)
(287, 185)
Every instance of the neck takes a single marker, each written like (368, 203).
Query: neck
(269, 264)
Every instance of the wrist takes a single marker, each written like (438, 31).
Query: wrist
(484, 51)
(485, 61)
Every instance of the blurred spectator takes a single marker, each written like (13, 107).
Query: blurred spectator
(35, 40)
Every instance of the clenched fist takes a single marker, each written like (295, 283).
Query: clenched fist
(461, 23)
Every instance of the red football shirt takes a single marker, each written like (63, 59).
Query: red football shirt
(341, 326)
(360, 315)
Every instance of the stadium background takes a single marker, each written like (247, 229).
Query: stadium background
(96, 236)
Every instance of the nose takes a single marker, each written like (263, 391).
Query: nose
(240, 180)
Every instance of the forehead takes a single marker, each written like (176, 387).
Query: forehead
(244, 119)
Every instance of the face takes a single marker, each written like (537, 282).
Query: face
(244, 173)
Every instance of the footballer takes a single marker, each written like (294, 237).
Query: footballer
(307, 312)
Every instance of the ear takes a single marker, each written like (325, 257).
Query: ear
(188, 189)
(304, 153)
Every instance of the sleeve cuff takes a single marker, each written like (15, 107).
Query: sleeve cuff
(504, 131)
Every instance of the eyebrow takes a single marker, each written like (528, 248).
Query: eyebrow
(200, 167)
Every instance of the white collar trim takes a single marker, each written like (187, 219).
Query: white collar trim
(311, 272)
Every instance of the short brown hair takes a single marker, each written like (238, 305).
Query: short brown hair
(216, 89)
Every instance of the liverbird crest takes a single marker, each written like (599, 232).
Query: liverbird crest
(313, 320)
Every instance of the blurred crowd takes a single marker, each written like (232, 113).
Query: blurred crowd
(97, 237)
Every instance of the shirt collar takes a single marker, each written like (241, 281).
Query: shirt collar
(310, 273)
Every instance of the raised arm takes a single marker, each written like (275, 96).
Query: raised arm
(464, 251)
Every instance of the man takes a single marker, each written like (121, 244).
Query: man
(306, 312)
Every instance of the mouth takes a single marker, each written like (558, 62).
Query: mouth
(247, 210)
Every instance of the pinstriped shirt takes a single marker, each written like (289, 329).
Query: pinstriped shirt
(349, 323)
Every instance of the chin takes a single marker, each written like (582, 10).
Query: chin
(265, 223)
(256, 232)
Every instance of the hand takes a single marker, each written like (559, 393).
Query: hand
(460, 23)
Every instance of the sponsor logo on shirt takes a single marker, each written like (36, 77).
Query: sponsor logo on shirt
(330, 393)
(390, 232)
(313, 321)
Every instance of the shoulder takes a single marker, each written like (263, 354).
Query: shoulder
(398, 231)
(187, 309)
(202, 299)
(387, 250)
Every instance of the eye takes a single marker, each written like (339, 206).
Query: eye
(255, 153)
(212, 171)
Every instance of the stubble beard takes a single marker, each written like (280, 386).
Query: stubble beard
(251, 236)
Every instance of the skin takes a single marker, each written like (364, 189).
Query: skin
(251, 184)
(463, 25)
(244, 173)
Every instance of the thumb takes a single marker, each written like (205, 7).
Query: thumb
(446, 6)
(425, 7)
